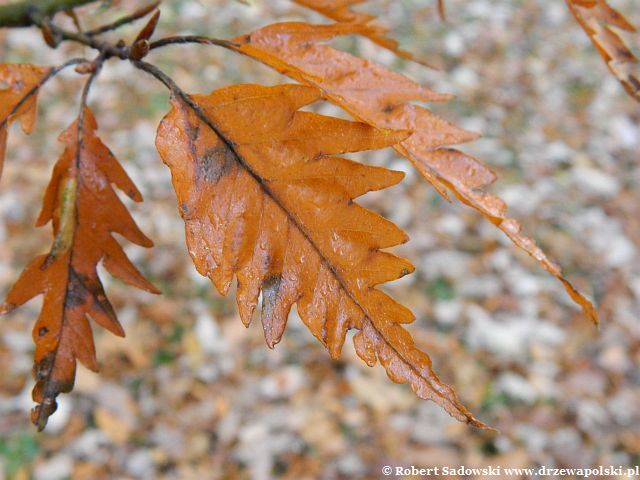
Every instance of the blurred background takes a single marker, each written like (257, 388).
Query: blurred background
(191, 394)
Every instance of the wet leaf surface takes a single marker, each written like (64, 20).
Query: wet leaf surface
(263, 199)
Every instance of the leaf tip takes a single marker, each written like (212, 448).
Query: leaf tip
(40, 413)
(6, 307)
(151, 288)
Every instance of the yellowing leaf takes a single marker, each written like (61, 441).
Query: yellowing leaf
(85, 211)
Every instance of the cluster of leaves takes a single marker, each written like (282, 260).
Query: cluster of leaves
(261, 193)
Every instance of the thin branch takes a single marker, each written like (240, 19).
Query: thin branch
(106, 49)
(163, 77)
(24, 14)
(184, 39)
(34, 90)
(83, 101)
(140, 13)
(185, 97)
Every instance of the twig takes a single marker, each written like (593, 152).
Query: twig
(22, 14)
(106, 49)
(184, 39)
(140, 13)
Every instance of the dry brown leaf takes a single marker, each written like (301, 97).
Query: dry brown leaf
(380, 97)
(263, 199)
(340, 11)
(85, 211)
(19, 100)
(597, 18)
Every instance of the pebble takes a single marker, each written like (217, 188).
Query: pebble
(283, 383)
(58, 467)
(447, 312)
(140, 464)
(595, 182)
(516, 387)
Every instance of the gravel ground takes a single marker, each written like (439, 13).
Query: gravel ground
(190, 393)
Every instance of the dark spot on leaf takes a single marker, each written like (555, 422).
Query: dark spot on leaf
(41, 413)
(243, 41)
(214, 164)
(42, 369)
(185, 211)
(47, 261)
(43, 331)
(635, 83)
(270, 289)
(388, 109)
(193, 132)
(74, 295)
(53, 388)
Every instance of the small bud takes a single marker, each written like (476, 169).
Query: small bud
(86, 68)
(149, 28)
(139, 50)
(50, 38)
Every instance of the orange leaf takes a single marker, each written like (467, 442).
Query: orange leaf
(597, 17)
(379, 97)
(340, 11)
(263, 199)
(18, 101)
(85, 211)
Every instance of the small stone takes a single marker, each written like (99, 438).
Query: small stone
(58, 467)
(282, 384)
(595, 182)
(516, 387)
(447, 312)
(140, 464)
(615, 359)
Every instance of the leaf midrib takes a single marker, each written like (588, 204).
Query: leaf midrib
(232, 147)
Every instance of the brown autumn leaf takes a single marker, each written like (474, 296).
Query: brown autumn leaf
(263, 199)
(19, 99)
(341, 11)
(85, 211)
(597, 18)
(380, 97)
